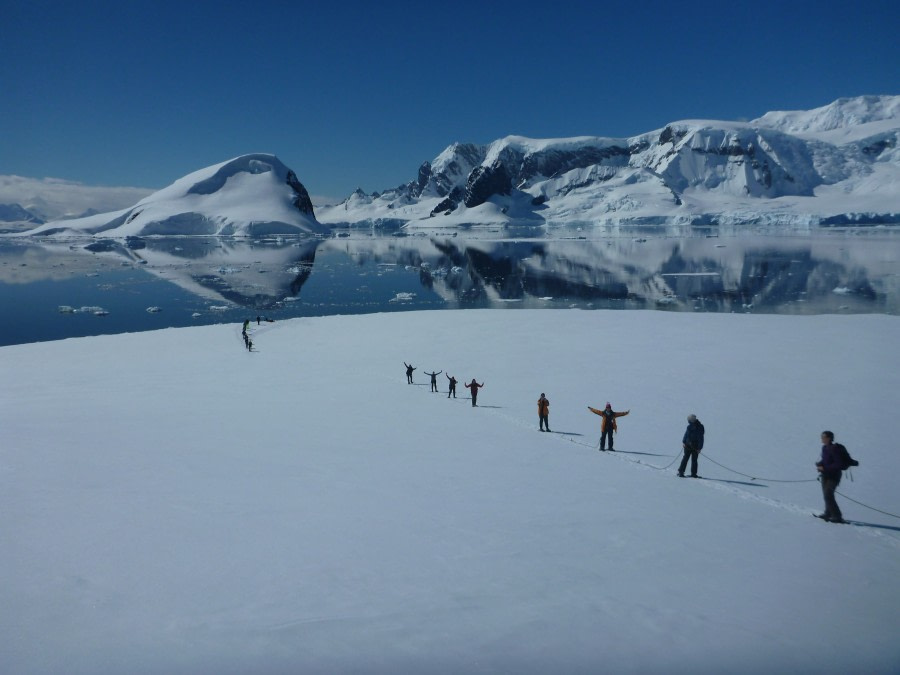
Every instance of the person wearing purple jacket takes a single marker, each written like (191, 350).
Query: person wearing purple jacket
(830, 468)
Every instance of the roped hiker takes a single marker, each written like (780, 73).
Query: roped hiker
(830, 467)
(409, 372)
(452, 389)
(473, 386)
(543, 412)
(692, 442)
(608, 426)
(434, 379)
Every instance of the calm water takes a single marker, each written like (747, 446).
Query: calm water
(52, 290)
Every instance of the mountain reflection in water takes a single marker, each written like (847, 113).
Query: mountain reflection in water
(798, 274)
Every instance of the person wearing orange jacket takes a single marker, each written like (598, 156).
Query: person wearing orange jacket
(608, 426)
(544, 412)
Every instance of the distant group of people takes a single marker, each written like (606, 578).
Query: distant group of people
(472, 386)
(245, 330)
(248, 343)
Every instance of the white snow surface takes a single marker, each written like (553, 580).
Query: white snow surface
(248, 196)
(173, 503)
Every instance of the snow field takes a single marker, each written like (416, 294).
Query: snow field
(174, 503)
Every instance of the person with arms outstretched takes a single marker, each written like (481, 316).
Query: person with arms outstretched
(434, 379)
(608, 426)
(473, 386)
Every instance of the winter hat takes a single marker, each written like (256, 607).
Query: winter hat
(608, 405)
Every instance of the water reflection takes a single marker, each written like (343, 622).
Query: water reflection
(223, 270)
(770, 274)
(831, 272)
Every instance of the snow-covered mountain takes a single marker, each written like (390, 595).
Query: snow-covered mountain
(249, 195)
(839, 164)
(27, 202)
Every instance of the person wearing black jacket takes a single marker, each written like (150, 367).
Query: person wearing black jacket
(693, 444)
(830, 468)
(452, 389)
(434, 379)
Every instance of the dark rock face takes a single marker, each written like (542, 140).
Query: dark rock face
(878, 147)
(301, 197)
(465, 155)
(425, 173)
(16, 213)
(554, 162)
(484, 182)
(449, 203)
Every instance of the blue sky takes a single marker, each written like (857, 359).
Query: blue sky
(359, 94)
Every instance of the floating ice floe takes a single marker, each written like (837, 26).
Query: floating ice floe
(842, 290)
(218, 308)
(403, 297)
(65, 309)
(154, 310)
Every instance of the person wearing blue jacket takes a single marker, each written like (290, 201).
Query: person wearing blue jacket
(830, 468)
(693, 444)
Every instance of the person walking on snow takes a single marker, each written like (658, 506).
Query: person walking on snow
(473, 386)
(434, 379)
(830, 467)
(543, 412)
(452, 389)
(409, 372)
(608, 426)
(693, 444)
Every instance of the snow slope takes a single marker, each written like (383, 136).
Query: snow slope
(174, 503)
(251, 195)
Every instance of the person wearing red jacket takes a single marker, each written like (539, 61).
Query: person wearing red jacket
(473, 386)
(608, 427)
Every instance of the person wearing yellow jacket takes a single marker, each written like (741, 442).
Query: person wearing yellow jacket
(608, 426)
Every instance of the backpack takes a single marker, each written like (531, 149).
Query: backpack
(844, 457)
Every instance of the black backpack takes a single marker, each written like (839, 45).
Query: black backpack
(844, 457)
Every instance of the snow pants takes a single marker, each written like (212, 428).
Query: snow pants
(692, 453)
(829, 485)
(607, 432)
